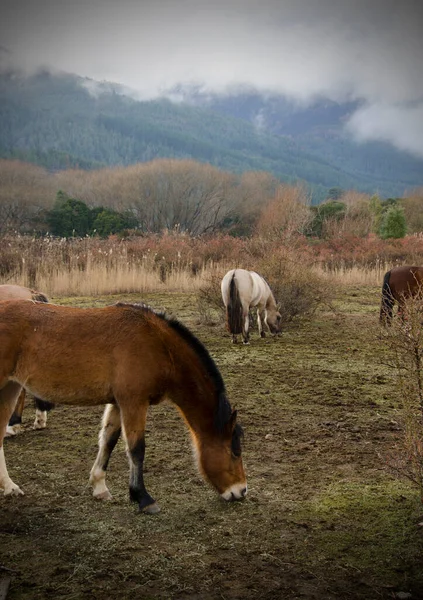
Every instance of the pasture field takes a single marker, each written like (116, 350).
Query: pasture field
(323, 519)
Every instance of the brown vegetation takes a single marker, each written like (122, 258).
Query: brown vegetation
(286, 215)
(192, 197)
(25, 191)
(176, 261)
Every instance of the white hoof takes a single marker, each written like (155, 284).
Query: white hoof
(105, 495)
(40, 419)
(11, 489)
(12, 430)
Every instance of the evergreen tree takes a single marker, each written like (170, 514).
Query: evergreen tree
(393, 223)
(69, 217)
(108, 222)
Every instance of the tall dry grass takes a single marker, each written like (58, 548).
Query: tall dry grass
(180, 263)
(89, 267)
(354, 275)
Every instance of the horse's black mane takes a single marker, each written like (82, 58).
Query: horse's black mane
(223, 411)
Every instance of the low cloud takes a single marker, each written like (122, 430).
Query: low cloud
(402, 126)
(370, 50)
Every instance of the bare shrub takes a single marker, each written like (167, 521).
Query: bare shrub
(413, 210)
(405, 340)
(25, 192)
(297, 288)
(287, 214)
(357, 220)
(209, 301)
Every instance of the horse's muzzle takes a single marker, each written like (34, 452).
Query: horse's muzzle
(236, 492)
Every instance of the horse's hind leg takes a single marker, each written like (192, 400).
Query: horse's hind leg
(107, 440)
(8, 398)
(15, 422)
(133, 420)
(245, 326)
(41, 409)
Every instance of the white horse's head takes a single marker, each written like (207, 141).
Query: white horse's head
(273, 319)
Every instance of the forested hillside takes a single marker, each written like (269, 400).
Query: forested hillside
(66, 121)
(319, 129)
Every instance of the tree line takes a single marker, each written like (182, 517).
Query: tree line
(191, 197)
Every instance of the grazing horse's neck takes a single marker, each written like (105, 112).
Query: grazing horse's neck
(271, 302)
(197, 387)
(197, 401)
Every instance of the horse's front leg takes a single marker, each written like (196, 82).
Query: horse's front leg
(133, 421)
(9, 395)
(14, 425)
(107, 440)
(261, 318)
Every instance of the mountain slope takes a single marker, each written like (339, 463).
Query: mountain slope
(66, 121)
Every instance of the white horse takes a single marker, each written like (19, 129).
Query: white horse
(242, 290)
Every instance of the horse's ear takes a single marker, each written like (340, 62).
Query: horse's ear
(232, 420)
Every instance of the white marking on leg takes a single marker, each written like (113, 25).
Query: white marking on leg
(110, 423)
(246, 327)
(12, 430)
(98, 481)
(259, 325)
(9, 488)
(40, 419)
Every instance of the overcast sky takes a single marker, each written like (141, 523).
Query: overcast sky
(342, 49)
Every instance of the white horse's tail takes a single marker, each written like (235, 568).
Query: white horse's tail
(234, 308)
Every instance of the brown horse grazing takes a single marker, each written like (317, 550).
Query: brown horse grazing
(399, 284)
(127, 356)
(17, 292)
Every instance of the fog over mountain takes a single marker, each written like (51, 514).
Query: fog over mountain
(371, 51)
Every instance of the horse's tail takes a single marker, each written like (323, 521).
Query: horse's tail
(39, 297)
(234, 308)
(387, 301)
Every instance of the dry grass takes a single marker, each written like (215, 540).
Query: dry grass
(355, 275)
(179, 263)
(99, 279)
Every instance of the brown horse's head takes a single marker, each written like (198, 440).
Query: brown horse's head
(273, 319)
(221, 464)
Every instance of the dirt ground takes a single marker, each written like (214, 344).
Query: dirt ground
(323, 519)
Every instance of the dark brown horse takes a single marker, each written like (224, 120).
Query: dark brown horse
(126, 356)
(399, 284)
(18, 292)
